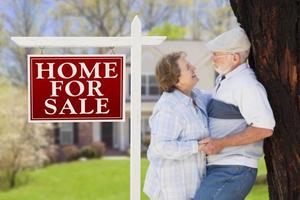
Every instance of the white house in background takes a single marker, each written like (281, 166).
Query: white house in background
(116, 134)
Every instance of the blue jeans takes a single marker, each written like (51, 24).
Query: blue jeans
(226, 182)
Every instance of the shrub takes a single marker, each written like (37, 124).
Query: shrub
(52, 153)
(18, 152)
(71, 152)
(99, 148)
(87, 152)
(146, 140)
(261, 179)
(22, 144)
(128, 152)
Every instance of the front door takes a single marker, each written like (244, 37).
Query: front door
(107, 134)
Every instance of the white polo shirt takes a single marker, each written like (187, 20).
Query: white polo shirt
(239, 94)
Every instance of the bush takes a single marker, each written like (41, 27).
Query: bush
(19, 152)
(261, 179)
(99, 148)
(87, 152)
(146, 140)
(71, 152)
(52, 153)
(128, 152)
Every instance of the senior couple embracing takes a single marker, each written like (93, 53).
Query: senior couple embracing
(206, 145)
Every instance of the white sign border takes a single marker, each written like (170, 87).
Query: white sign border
(55, 120)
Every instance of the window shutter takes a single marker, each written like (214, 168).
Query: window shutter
(56, 133)
(76, 133)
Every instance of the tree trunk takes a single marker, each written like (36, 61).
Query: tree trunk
(12, 179)
(273, 27)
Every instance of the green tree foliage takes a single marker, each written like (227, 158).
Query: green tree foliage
(172, 31)
(156, 12)
(205, 19)
(94, 17)
(199, 19)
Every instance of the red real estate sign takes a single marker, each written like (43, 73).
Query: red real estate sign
(76, 88)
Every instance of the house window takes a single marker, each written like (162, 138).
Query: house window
(66, 133)
(145, 126)
(144, 85)
(107, 133)
(129, 87)
(145, 132)
(149, 87)
(153, 88)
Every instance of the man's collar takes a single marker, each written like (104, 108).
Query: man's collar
(238, 69)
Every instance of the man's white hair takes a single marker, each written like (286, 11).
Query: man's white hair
(244, 56)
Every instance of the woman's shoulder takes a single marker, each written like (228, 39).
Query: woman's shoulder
(167, 100)
(201, 92)
(203, 96)
(170, 102)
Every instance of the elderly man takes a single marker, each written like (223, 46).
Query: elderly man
(240, 117)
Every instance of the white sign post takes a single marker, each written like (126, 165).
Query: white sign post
(135, 42)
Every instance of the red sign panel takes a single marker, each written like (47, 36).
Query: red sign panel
(76, 88)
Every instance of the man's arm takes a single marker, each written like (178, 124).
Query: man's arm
(247, 136)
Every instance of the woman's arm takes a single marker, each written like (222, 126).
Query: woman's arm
(166, 128)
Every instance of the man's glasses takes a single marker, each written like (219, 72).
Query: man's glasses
(219, 54)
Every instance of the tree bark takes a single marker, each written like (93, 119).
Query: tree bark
(273, 27)
(12, 179)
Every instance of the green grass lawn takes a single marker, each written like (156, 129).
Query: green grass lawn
(90, 180)
(259, 191)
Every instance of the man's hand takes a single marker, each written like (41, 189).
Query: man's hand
(247, 136)
(210, 146)
(200, 147)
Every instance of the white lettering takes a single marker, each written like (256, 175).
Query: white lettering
(83, 105)
(50, 106)
(81, 88)
(102, 103)
(108, 69)
(94, 87)
(55, 87)
(49, 70)
(68, 106)
(88, 73)
(60, 70)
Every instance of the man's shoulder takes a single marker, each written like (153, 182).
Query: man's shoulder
(246, 80)
(247, 74)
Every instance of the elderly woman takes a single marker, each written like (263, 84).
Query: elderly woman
(178, 122)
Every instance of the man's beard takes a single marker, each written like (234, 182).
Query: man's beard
(221, 69)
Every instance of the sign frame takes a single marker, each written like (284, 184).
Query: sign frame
(135, 42)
